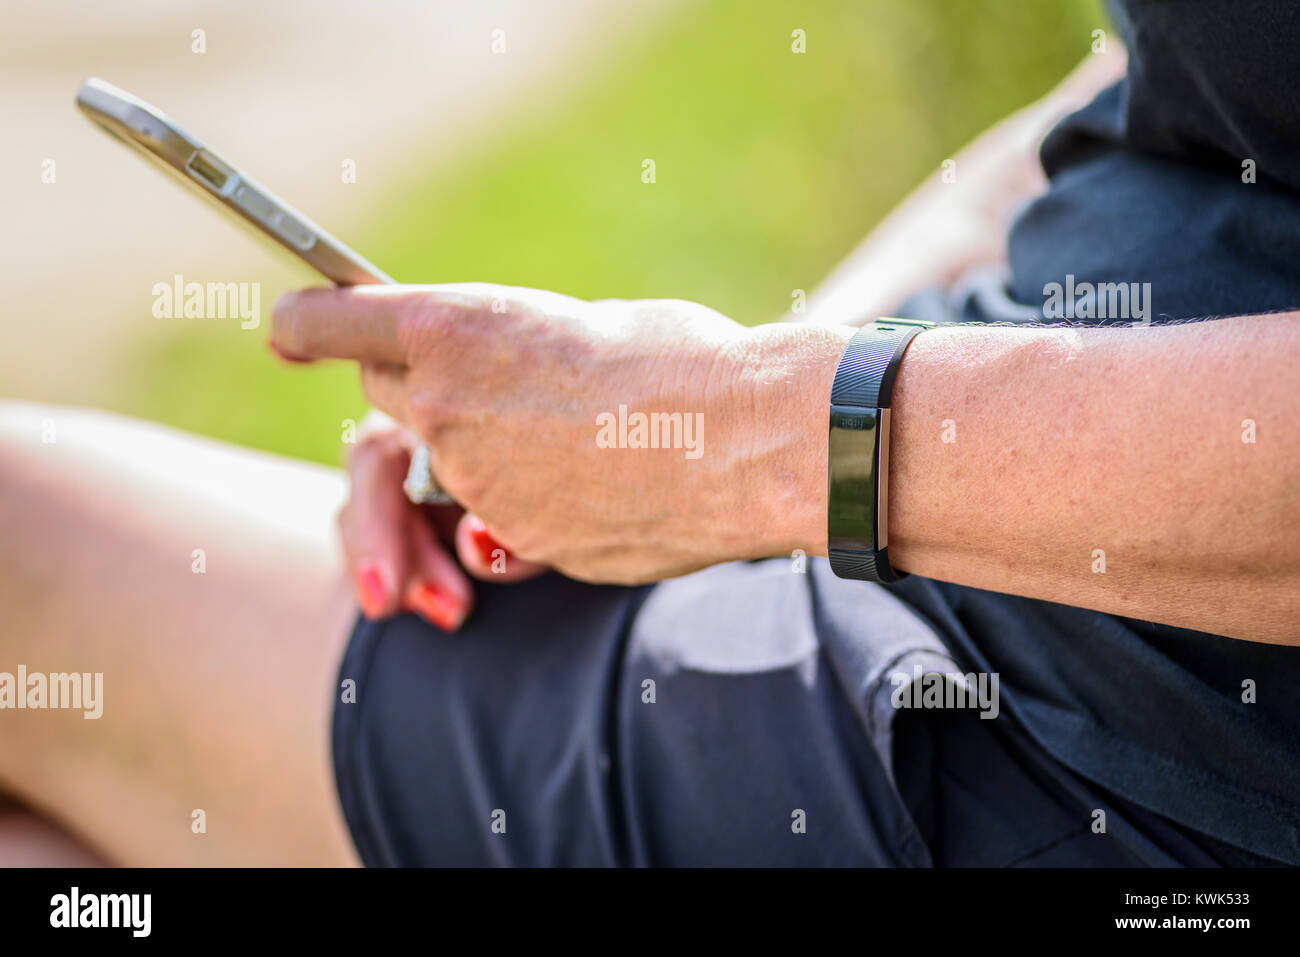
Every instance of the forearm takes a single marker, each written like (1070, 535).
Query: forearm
(1102, 468)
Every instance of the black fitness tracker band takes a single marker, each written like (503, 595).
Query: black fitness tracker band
(858, 472)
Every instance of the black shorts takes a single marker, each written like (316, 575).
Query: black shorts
(743, 715)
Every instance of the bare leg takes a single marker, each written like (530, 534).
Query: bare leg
(28, 841)
(202, 581)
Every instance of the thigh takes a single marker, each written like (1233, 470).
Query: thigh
(752, 751)
(696, 722)
(488, 746)
(201, 581)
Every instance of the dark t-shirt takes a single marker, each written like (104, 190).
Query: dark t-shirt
(1186, 176)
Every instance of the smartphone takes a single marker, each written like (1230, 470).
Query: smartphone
(134, 121)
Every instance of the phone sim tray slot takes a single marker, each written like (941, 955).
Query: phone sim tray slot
(209, 171)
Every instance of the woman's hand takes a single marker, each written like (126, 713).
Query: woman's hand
(395, 549)
(539, 408)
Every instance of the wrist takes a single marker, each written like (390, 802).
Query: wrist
(785, 383)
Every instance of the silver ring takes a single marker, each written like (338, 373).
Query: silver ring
(420, 486)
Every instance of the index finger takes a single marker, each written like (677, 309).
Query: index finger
(357, 322)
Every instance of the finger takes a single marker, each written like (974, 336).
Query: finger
(373, 526)
(375, 421)
(445, 519)
(437, 590)
(484, 557)
(385, 386)
(358, 322)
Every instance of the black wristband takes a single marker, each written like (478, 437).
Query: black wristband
(858, 447)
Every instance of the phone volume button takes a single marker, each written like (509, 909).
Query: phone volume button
(292, 230)
(253, 202)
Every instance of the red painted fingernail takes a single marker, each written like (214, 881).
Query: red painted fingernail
(483, 541)
(372, 593)
(436, 605)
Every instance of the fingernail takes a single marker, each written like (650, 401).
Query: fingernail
(436, 605)
(372, 593)
(483, 541)
(281, 354)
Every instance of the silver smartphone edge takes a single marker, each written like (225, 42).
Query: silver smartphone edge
(145, 127)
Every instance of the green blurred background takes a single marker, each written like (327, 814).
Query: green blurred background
(770, 167)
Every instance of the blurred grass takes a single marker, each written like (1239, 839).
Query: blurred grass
(770, 166)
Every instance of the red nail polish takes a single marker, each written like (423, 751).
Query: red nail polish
(436, 605)
(372, 593)
(484, 542)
